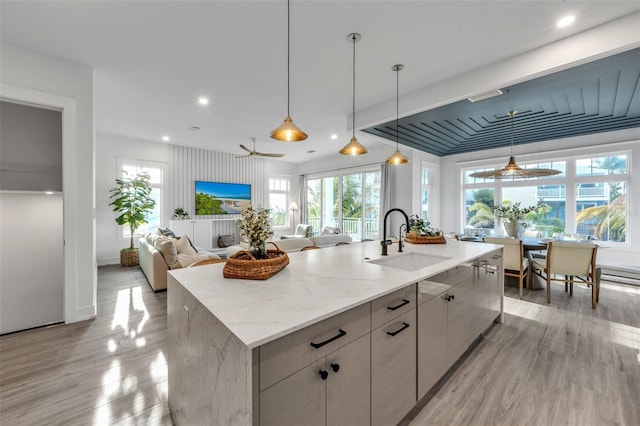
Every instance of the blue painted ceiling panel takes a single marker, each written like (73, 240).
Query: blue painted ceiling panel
(600, 96)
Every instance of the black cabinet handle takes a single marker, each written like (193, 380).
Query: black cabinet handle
(323, 374)
(449, 297)
(393, 308)
(336, 337)
(393, 333)
(335, 367)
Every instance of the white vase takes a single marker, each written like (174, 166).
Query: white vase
(514, 229)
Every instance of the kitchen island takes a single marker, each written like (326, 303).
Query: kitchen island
(341, 333)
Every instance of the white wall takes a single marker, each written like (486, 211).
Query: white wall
(36, 78)
(451, 198)
(109, 149)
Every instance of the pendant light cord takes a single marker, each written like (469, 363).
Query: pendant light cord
(512, 114)
(288, 55)
(397, 107)
(353, 103)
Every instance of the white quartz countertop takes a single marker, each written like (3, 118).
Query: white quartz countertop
(317, 284)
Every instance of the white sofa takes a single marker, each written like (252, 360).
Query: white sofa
(158, 254)
(330, 240)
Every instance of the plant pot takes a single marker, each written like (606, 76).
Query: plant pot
(129, 257)
(514, 229)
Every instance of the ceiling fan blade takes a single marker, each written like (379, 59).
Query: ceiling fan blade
(243, 156)
(264, 154)
(245, 148)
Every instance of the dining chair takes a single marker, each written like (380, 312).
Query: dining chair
(576, 262)
(513, 261)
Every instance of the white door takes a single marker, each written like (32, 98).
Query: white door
(32, 260)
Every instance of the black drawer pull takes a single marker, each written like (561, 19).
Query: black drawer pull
(393, 308)
(336, 337)
(393, 333)
(335, 367)
(323, 374)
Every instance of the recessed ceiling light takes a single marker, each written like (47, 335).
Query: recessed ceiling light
(483, 96)
(334, 137)
(566, 21)
(166, 138)
(203, 101)
(49, 192)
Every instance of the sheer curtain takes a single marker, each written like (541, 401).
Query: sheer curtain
(303, 200)
(385, 193)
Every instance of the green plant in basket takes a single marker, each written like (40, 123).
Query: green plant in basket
(132, 200)
(419, 226)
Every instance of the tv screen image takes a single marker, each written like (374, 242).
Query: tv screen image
(213, 198)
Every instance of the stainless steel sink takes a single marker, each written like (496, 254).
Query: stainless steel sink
(410, 261)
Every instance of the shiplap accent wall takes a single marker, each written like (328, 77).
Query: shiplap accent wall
(191, 164)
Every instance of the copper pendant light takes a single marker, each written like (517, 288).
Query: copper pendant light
(288, 131)
(353, 147)
(512, 170)
(397, 157)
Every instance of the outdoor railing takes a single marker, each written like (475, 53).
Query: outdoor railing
(350, 226)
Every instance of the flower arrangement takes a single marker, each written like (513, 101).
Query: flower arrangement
(255, 226)
(513, 213)
(419, 226)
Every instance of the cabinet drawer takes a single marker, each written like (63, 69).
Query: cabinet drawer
(391, 306)
(282, 357)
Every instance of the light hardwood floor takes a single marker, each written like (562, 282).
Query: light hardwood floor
(558, 364)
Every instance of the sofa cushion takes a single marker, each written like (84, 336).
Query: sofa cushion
(330, 230)
(168, 250)
(183, 245)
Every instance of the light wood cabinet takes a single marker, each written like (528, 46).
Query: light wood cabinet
(393, 370)
(326, 392)
(468, 312)
(432, 343)
(454, 308)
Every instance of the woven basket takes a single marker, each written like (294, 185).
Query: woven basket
(244, 266)
(423, 239)
(129, 258)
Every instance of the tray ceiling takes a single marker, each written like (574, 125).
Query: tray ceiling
(600, 96)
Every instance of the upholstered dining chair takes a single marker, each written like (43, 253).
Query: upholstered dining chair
(573, 262)
(513, 261)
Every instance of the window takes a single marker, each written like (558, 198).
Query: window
(589, 197)
(601, 197)
(349, 201)
(156, 172)
(279, 201)
(425, 188)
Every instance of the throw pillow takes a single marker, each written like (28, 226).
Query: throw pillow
(168, 250)
(166, 232)
(183, 245)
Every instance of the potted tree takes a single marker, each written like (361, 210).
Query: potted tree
(132, 200)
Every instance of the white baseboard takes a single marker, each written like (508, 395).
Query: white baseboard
(109, 261)
(88, 312)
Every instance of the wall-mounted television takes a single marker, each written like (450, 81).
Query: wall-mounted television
(213, 198)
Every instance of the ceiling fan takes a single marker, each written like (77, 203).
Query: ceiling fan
(254, 153)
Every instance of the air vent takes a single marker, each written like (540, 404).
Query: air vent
(487, 95)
